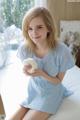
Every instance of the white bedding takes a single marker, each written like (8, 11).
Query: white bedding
(70, 108)
(12, 78)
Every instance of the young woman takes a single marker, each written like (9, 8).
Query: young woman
(45, 89)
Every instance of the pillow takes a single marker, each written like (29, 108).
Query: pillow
(72, 79)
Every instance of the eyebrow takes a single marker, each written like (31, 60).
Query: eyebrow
(37, 26)
(40, 25)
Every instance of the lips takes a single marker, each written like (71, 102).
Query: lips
(37, 37)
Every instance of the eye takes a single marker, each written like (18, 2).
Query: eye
(29, 28)
(39, 27)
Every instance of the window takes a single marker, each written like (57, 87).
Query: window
(11, 15)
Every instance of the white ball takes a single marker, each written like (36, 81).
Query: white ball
(32, 62)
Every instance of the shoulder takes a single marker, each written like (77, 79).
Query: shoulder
(64, 57)
(23, 52)
(63, 53)
(62, 48)
(22, 46)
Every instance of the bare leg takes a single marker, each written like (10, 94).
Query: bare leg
(19, 115)
(36, 115)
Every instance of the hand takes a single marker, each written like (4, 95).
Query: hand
(37, 72)
(26, 69)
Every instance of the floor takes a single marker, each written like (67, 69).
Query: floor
(13, 84)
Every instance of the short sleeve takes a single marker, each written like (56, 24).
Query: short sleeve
(66, 60)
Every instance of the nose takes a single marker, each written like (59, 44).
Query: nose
(35, 31)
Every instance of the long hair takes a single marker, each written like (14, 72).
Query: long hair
(47, 19)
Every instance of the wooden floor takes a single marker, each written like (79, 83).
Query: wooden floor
(13, 84)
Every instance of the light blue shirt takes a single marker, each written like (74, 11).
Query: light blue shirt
(42, 94)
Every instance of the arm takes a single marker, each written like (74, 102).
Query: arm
(38, 72)
(56, 79)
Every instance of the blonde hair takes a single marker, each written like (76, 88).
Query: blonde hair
(47, 19)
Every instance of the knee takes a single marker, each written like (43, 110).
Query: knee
(26, 119)
(23, 119)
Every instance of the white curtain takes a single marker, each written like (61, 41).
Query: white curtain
(41, 3)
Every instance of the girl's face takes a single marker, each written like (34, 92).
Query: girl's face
(37, 31)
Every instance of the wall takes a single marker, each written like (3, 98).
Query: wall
(63, 10)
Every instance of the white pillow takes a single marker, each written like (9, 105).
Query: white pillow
(72, 78)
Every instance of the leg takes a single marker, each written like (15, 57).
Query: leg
(36, 115)
(19, 115)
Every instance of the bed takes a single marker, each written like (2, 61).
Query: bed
(70, 108)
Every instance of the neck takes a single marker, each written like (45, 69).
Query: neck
(42, 46)
(41, 50)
